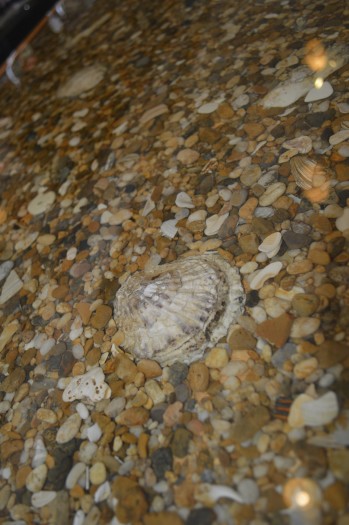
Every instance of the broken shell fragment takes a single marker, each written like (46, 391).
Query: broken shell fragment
(269, 271)
(302, 144)
(178, 310)
(183, 200)
(90, 386)
(307, 411)
(271, 244)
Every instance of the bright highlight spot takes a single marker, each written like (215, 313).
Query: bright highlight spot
(301, 498)
(319, 82)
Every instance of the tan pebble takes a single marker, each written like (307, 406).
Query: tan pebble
(188, 156)
(36, 479)
(305, 304)
(319, 257)
(173, 414)
(69, 429)
(273, 192)
(140, 399)
(154, 391)
(198, 377)
(149, 368)
(162, 518)
(133, 416)
(336, 495)
(299, 267)
(217, 358)
(125, 368)
(304, 326)
(118, 338)
(44, 414)
(21, 476)
(117, 443)
(246, 211)
(98, 473)
(327, 290)
(101, 316)
(305, 368)
(84, 312)
(142, 445)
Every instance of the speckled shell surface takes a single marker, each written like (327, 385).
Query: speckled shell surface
(176, 311)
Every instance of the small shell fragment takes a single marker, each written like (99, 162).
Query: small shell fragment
(302, 144)
(12, 285)
(324, 91)
(310, 176)
(90, 386)
(339, 137)
(269, 271)
(178, 310)
(183, 200)
(306, 411)
(169, 229)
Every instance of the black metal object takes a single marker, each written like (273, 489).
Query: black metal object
(17, 19)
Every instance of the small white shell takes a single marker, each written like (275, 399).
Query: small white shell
(178, 310)
(169, 228)
(339, 137)
(12, 285)
(269, 271)
(320, 411)
(271, 244)
(183, 200)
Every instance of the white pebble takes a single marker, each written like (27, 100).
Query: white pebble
(94, 433)
(248, 490)
(82, 410)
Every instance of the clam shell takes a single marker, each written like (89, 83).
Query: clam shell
(271, 244)
(178, 310)
(307, 173)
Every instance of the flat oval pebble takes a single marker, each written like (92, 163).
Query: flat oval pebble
(214, 223)
(69, 429)
(304, 326)
(339, 137)
(207, 108)
(188, 156)
(41, 203)
(324, 91)
(273, 192)
(75, 474)
(183, 200)
(342, 223)
(42, 498)
(36, 479)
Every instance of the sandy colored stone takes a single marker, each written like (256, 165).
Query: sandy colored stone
(133, 416)
(98, 473)
(299, 267)
(304, 326)
(276, 330)
(198, 377)
(305, 304)
(188, 156)
(101, 316)
(13, 381)
(319, 257)
(10, 447)
(173, 414)
(217, 358)
(305, 368)
(162, 518)
(240, 338)
(44, 414)
(249, 424)
(84, 311)
(246, 211)
(339, 463)
(330, 353)
(149, 368)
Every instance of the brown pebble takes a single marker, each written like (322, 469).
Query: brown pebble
(13, 381)
(101, 316)
(84, 312)
(198, 377)
(276, 330)
(162, 518)
(133, 416)
(299, 267)
(10, 447)
(331, 353)
(149, 368)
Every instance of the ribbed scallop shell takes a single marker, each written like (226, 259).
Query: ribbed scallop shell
(178, 310)
(307, 172)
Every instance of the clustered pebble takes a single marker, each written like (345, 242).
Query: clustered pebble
(146, 133)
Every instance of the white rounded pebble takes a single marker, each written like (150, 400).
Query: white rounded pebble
(42, 498)
(82, 410)
(47, 345)
(74, 475)
(78, 351)
(69, 429)
(36, 479)
(273, 192)
(326, 380)
(342, 223)
(94, 433)
(41, 203)
(248, 490)
(79, 518)
(71, 253)
(210, 107)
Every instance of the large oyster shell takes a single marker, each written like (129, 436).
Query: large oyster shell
(177, 310)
